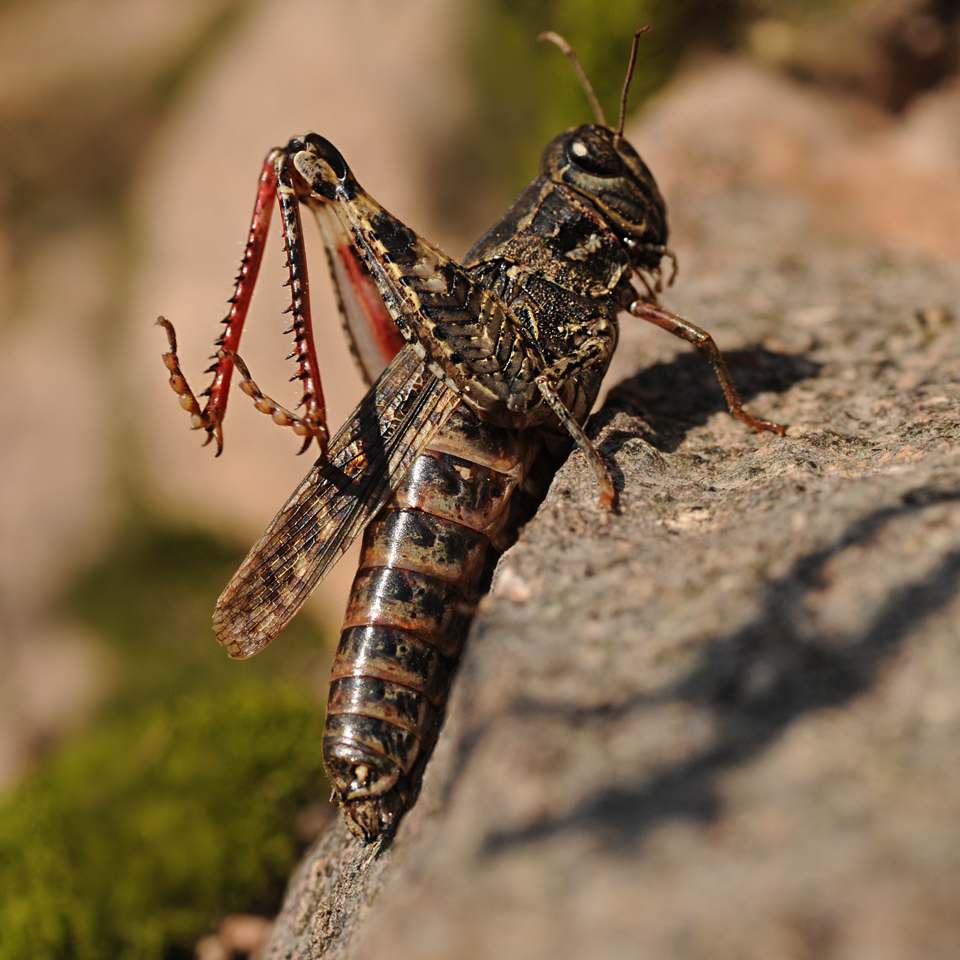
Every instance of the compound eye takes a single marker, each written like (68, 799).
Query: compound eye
(595, 155)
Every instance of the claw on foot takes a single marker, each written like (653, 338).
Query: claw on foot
(304, 427)
(200, 419)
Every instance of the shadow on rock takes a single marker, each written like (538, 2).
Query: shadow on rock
(755, 683)
(673, 397)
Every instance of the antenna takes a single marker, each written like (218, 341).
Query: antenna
(584, 82)
(626, 83)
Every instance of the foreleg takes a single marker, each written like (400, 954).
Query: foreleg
(705, 344)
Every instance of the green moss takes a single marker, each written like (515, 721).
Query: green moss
(177, 805)
(131, 841)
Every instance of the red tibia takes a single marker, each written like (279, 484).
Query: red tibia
(387, 336)
(246, 280)
(315, 413)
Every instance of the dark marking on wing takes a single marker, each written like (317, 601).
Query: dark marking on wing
(368, 458)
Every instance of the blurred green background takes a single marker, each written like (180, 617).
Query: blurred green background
(173, 787)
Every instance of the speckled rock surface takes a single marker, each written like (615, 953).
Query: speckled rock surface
(723, 723)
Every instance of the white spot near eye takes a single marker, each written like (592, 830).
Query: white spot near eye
(579, 149)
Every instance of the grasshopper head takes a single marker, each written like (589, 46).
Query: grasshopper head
(599, 164)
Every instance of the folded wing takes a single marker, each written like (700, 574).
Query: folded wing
(367, 459)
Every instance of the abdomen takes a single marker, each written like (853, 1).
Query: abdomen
(425, 560)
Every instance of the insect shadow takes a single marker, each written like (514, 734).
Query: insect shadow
(673, 396)
(755, 682)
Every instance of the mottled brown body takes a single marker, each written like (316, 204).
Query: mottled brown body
(457, 439)
(555, 268)
(423, 564)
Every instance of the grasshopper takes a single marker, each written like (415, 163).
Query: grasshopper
(481, 375)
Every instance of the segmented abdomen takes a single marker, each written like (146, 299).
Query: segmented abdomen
(424, 561)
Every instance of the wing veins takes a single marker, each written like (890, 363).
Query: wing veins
(368, 458)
